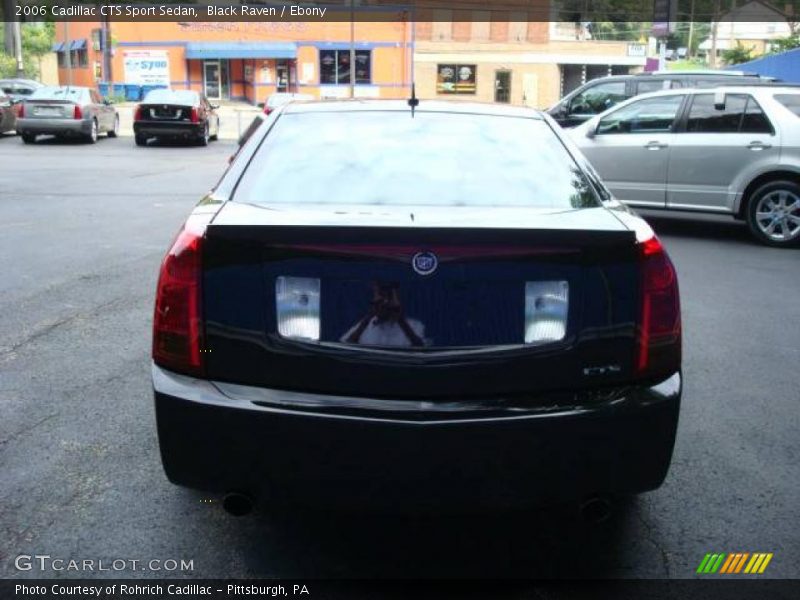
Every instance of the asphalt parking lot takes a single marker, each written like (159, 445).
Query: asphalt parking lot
(82, 232)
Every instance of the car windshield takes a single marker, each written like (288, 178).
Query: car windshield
(184, 97)
(58, 93)
(434, 159)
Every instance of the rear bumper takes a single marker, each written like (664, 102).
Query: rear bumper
(156, 129)
(220, 442)
(54, 126)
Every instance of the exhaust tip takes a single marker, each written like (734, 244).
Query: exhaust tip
(237, 504)
(596, 510)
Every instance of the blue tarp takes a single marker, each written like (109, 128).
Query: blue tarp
(212, 50)
(784, 66)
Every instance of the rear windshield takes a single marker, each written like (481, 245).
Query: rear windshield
(58, 93)
(790, 101)
(433, 159)
(185, 97)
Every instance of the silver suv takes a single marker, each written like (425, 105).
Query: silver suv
(730, 150)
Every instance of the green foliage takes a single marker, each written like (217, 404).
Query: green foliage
(8, 66)
(37, 40)
(784, 44)
(737, 55)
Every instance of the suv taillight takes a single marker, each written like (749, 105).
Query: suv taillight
(137, 114)
(177, 324)
(195, 116)
(659, 343)
(21, 110)
(77, 113)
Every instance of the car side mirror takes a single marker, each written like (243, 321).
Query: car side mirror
(214, 106)
(107, 101)
(591, 132)
(719, 100)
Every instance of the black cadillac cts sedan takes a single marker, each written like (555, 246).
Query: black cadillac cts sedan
(440, 307)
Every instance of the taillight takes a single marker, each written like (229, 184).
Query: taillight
(21, 110)
(267, 109)
(137, 114)
(177, 324)
(77, 113)
(659, 347)
(195, 116)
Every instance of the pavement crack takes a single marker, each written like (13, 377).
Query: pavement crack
(50, 327)
(650, 537)
(29, 428)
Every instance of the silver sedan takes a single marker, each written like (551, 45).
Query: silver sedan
(68, 111)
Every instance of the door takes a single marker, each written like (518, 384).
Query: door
(105, 114)
(714, 147)
(631, 149)
(502, 86)
(212, 79)
(282, 76)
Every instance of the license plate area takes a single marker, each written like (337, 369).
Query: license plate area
(48, 111)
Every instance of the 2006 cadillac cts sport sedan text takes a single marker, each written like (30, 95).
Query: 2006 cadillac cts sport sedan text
(378, 306)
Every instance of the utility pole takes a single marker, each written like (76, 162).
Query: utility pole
(712, 61)
(352, 48)
(67, 53)
(18, 49)
(691, 30)
(9, 8)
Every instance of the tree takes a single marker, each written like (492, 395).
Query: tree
(784, 44)
(738, 54)
(37, 40)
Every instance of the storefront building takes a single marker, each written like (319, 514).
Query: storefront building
(532, 63)
(245, 61)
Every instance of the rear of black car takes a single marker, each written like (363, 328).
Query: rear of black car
(170, 114)
(379, 314)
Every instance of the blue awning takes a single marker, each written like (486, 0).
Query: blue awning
(213, 50)
(785, 66)
(58, 47)
(77, 45)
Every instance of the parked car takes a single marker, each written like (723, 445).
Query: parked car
(8, 114)
(66, 111)
(598, 95)
(175, 114)
(19, 89)
(356, 315)
(280, 98)
(733, 150)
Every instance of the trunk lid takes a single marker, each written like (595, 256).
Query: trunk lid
(470, 312)
(49, 109)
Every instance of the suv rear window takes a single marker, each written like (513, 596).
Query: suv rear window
(790, 101)
(433, 159)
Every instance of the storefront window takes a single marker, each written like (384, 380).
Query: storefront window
(456, 79)
(334, 66)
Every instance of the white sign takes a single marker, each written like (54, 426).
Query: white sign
(146, 67)
(637, 49)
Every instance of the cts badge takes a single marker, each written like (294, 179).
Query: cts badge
(424, 263)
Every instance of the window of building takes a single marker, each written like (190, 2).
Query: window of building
(740, 114)
(456, 79)
(334, 67)
(650, 115)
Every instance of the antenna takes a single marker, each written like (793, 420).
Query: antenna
(413, 102)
